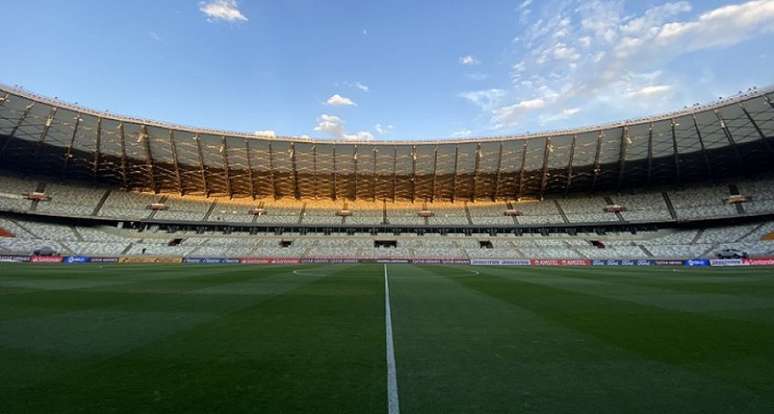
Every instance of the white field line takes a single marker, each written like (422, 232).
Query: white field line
(393, 406)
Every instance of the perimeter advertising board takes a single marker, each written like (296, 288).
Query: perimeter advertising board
(560, 262)
(77, 260)
(500, 262)
(764, 261)
(150, 260)
(15, 259)
(697, 263)
(727, 262)
(46, 259)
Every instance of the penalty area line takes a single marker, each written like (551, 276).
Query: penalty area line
(393, 406)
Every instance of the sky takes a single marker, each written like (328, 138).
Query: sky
(387, 70)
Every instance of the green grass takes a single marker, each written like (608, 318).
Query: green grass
(265, 339)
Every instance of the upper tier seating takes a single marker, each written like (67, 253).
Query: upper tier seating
(702, 202)
(586, 210)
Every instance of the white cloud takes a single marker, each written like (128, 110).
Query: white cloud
(383, 129)
(469, 60)
(462, 133)
(330, 124)
(222, 10)
(266, 133)
(334, 126)
(588, 54)
(360, 136)
(484, 99)
(649, 91)
(361, 86)
(338, 100)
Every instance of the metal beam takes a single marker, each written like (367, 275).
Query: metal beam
(271, 173)
(650, 154)
(124, 162)
(521, 171)
(373, 176)
(454, 178)
(394, 172)
(69, 150)
(354, 162)
(498, 173)
(296, 191)
(413, 172)
(148, 156)
(546, 154)
(625, 138)
(44, 133)
(740, 164)
(250, 168)
(176, 160)
(202, 169)
(569, 165)
(676, 153)
(597, 167)
(704, 154)
(97, 148)
(16, 127)
(227, 167)
(477, 163)
(315, 178)
(333, 173)
(435, 175)
(764, 138)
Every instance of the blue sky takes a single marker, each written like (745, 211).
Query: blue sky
(394, 69)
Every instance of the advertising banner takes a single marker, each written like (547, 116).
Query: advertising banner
(15, 259)
(254, 261)
(697, 263)
(150, 260)
(766, 261)
(394, 261)
(727, 262)
(560, 262)
(77, 260)
(668, 262)
(329, 260)
(285, 260)
(500, 262)
(46, 259)
(104, 260)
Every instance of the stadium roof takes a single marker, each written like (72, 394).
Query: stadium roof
(729, 137)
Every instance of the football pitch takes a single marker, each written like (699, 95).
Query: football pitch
(316, 338)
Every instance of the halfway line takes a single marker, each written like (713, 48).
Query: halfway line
(393, 407)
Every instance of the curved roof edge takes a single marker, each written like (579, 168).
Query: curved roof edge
(738, 98)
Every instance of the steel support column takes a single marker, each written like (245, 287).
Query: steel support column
(148, 156)
(44, 133)
(435, 175)
(202, 168)
(271, 173)
(454, 178)
(69, 150)
(226, 167)
(569, 165)
(520, 190)
(597, 165)
(547, 148)
(124, 161)
(704, 154)
(16, 127)
(394, 172)
(176, 160)
(764, 138)
(296, 191)
(413, 172)
(498, 173)
(625, 138)
(650, 154)
(315, 178)
(740, 165)
(333, 173)
(354, 163)
(373, 175)
(97, 148)
(476, 165)
(250, 168)
(676, 153)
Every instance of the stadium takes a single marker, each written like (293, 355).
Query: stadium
(353, 265)
(689, 185)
